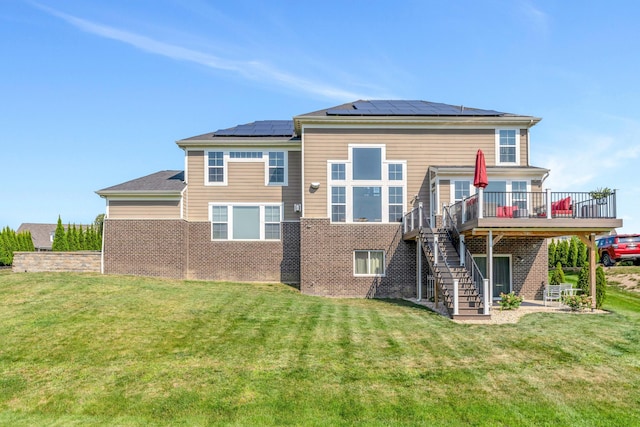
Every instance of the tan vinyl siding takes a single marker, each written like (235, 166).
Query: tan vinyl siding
(524, 147)
(445, 191)
(245, 184)
(144, 209)
(419, 147)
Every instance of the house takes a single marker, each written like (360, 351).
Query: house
(42, 234)
(365, 199)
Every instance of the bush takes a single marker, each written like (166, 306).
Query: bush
(509, 301)
(601, 287)
(577, 302)
(558, 275)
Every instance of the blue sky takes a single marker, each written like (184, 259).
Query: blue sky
(94, 93)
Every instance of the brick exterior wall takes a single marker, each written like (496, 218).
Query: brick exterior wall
(263, 261)
(178, 249)
(145, 247)
(529, 262)
(326, 258)
(80, 262)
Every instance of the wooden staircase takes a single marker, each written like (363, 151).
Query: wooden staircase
(447, 268)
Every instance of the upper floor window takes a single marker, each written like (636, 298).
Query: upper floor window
(276, 167)
(366, 187)
(461, 190)
(507, 146)
(367, 163)
(216, 169)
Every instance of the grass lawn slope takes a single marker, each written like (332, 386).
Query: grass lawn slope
(108, 350)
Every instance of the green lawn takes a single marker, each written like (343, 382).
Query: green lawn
(95, 350)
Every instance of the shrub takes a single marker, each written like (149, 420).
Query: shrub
(577, 302)
(558, 275)
(509, 301)
(601, 287)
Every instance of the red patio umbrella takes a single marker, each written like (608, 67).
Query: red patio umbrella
(480, 176)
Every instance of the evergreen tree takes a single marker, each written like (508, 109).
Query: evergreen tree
(558, 275)
(601, 287)
(60, 238)
(582, 254)
(552, 253)
(562, 253)
(81, 235)
(583, 278)
(572, 259)
(4, 249)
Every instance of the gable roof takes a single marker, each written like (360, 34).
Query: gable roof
(168, 182)
(41, 234)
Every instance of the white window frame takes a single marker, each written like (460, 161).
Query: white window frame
(225, 168)
(368, 274)
(452, 188)
(349, 183)
(263, 221)
(517, 147)
(268, 168)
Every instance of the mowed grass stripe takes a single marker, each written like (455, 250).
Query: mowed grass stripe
(85, 349)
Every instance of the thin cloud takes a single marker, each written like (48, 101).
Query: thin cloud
(252, 70)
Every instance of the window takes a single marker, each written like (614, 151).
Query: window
(366, 187)
(245, 155)
(367, 204)
(395, 172)
(219, 221)
(395, 204)
(276, 167)
(245, 222)
(507, 146)
(216, 167)
(272, 222)
(338, 172)
(461, 190)
(338, 204)
(368, 263)
(519, 194)
(367, 164)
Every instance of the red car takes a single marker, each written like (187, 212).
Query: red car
(619, 248)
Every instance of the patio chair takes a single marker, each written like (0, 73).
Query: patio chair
(552, 293)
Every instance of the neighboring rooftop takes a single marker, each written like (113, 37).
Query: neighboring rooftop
(169, 181)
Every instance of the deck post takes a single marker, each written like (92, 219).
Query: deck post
(592, 269)
(480, 202)
(490, 263)
(420, 215)
(548, 190)
(485, 297)
(462, 251)
(463, 211)
(419, 267)
(456, 303)
(435, 249)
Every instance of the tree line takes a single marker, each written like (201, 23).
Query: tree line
(71, 238)
(75, 238)
(10, 242)
(569, 253)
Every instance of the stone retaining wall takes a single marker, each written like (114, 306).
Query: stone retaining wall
(80, 262)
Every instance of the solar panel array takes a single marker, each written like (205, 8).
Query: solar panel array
(409, 108)
(259, 128)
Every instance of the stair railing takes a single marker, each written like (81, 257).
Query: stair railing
(478, 280)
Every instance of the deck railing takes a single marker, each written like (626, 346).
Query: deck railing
(539, 205)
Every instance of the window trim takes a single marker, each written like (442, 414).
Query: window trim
(517, 147)
(369, 274)
(261, 206)
(267, 168)
(225, 169)
(452, 188)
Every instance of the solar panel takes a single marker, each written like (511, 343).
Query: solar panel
(259, 128)
(408, 108)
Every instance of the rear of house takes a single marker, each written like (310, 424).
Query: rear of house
(322, 200)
